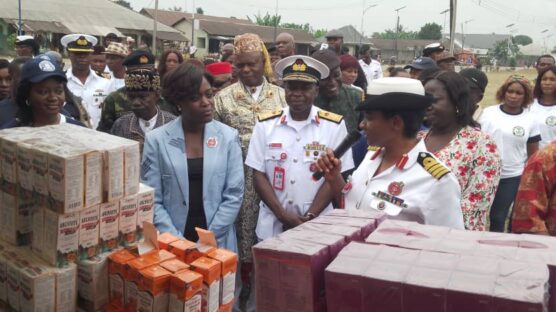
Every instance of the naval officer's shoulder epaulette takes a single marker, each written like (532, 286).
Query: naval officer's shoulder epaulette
(432, 165)
(269, 115)
(330, 116)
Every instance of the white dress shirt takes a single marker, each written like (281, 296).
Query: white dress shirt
(372, 71)
(293, 146)
(93, 92)
(418, 195)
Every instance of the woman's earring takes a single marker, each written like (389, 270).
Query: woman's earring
(27, 103)
(457, 111)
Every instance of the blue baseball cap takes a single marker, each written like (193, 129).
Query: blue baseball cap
(41, 68)
(422, 63)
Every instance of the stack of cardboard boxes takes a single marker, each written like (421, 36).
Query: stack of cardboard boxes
(289, 268)
(180, 276)
(69, 194)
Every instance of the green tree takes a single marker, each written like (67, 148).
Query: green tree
(553, 50)
(200, 10)
(124, 3)
(267, 19)
(503, 51)
(175, 8)
(391, 34)
(430, 31)
(317, 33)
(522, 40)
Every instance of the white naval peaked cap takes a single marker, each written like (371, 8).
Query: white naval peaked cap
(301, 68)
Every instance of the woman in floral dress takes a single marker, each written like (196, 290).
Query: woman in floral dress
(456, 139)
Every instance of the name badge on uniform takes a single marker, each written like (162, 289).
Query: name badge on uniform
(279, 178)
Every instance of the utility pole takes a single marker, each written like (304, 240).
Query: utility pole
(362, 17)
(444, 27)
(193, 25)
(453, 15)
(463, 34)
(275, 20)
(397, 29)
(154, 25)
(19, 24)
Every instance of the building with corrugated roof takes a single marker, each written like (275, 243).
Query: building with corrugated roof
(49, 20)
(212, 31)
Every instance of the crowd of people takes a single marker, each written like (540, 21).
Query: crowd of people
(235, 145)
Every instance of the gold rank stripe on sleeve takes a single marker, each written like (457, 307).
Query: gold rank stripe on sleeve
(330, 116)
(269, 115)
(432, 166)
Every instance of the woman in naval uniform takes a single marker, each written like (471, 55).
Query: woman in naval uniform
(397, 176)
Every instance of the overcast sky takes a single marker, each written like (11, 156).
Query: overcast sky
(529, 17)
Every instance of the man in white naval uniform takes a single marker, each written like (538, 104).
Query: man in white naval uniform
(398, 176)
(285, 146)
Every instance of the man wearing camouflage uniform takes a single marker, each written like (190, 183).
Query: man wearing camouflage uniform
(238, 106)
(117, 104)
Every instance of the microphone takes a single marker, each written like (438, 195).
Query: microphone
(348, 141)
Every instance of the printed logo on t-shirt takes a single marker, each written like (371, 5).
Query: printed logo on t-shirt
(518, 131)
(551, 121)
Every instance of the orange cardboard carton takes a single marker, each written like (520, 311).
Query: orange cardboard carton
(133, 275)
(165, 239)
(117, 272)
(210, 269)
(228, 261)
(186, 291)
(174, 265)
(183, 249)
(132, 278)
(154, 288)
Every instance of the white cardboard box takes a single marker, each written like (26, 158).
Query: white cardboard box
(61, 238)
(109, 216)
(93, 179)
(128, 220)
(145, 208)
(93, 283)
(89, 225)
(66, 174)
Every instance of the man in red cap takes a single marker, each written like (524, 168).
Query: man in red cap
(222, 72)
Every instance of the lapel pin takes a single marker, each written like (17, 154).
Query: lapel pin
(211, 142)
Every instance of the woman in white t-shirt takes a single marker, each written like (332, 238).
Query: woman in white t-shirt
(544, 107)
(516, 133)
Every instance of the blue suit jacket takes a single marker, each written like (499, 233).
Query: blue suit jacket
(164, 167)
